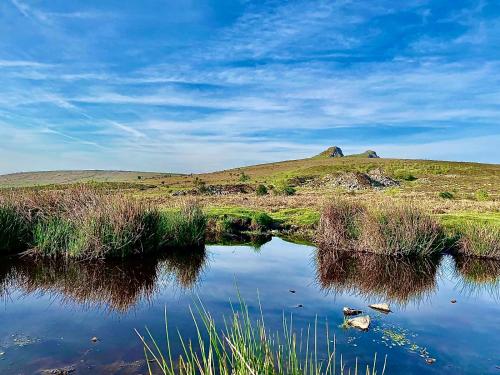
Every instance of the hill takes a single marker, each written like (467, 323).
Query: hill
(26, 179)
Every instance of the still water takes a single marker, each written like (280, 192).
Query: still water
(51, 312)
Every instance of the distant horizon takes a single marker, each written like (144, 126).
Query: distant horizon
(211, 171)
(209, 85)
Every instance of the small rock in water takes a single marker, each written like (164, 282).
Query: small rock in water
(299, 305)
(59, 371)
(349, 311)
(430, 361)
(94, 339)
(292, 291)
(361, 322)
(384, 307)
(453, 301)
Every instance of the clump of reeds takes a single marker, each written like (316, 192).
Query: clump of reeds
(15, 230)
(394, 230)
(478, 239)
(183, 228)
(90, 223)
(401, 230)
(340, 224)
(243, 347)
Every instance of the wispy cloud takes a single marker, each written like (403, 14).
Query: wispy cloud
(250, 82)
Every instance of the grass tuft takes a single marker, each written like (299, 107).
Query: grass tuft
(243, 347)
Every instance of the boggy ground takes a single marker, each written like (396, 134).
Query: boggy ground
(290, 196)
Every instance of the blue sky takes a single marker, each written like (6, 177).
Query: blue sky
(193, 85)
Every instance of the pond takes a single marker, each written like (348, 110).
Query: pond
(52, 311)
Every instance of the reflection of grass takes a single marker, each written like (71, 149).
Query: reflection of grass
(113, 284)
(478, 274)
(243, 347)
(399, 280)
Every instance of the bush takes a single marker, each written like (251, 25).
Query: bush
(446, 195)
(244, 177)
(284, 188)
(402, 174)
(261, 190)
(261, 221)
(481, 195)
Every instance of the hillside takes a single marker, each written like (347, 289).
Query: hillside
(26, 179)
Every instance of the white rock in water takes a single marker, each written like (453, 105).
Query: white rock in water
(361, 322)
(384, 307)
(349, 311)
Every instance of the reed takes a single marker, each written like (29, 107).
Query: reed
(479, 239)
(396, 230)
(243, 347)
(88, 223)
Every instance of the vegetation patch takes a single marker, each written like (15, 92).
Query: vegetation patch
(87, 223)
(245, 346)
(398, 230)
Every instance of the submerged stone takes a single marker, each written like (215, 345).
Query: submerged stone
(360, 322)
(384, 307)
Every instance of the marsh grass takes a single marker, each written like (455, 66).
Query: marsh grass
(14, 229)
(89, 223)
(479, 240)
(243, 347)
(401, 230)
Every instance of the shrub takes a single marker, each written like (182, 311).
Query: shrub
(261, 190)
(446, 195)
(261, 221)
(284, 188)
(403, 174)
(481, 195)
(244, 177)
(200, 186)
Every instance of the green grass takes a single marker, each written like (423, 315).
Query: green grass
(244, 346)
(401, 230)
(15, 231)
(86, 223)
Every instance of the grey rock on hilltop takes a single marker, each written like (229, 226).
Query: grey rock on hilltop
(332, 152)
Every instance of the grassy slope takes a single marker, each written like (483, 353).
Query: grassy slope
(464, 180)
(26, 179)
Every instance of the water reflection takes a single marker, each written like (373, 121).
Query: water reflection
(396, 280)
(113, 285)
(478, 275)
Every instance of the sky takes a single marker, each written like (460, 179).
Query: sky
(202, 85)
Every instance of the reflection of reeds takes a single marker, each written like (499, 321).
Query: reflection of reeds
(478, 274)
(112, 284)
(398, 280)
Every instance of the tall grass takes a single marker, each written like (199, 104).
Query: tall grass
(479, 240)
(243, 347)
(15, 231)
(396, 230)
(88, 223)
